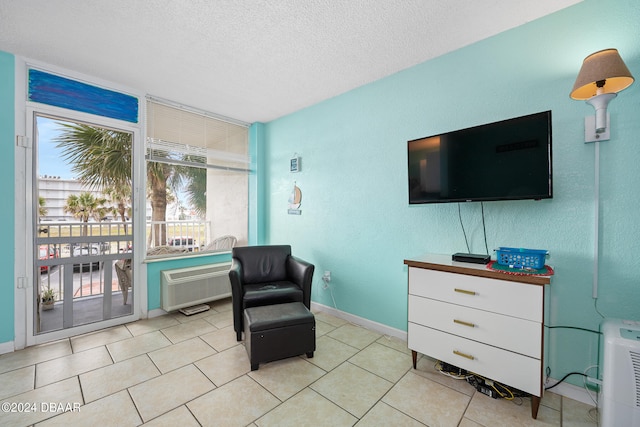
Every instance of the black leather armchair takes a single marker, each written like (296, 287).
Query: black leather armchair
(265, 275)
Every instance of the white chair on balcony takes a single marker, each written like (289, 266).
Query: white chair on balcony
(222, 243)
(123, 271)
(165, 250)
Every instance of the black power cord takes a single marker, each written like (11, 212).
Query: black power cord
(484, 229)
(463, 232)
(564, 378)
(574, 327)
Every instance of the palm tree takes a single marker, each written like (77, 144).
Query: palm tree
(119, 198)
(158, 174)
(196, 185)
(163, 181)
(42, 210)
(85, 206)
(101, 158)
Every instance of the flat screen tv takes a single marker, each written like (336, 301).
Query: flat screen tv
(505, 160)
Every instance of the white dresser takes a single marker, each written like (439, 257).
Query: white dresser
(484, 321)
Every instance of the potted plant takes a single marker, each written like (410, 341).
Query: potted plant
(48, 298)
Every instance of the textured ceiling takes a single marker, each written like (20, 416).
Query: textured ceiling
(251, 60)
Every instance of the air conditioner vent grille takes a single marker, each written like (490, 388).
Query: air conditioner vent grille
(185, 287)
(620, 393)
(635, 362)
(205, 271)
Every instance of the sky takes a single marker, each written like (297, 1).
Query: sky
(50, 161)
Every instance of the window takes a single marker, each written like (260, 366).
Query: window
(197, 181)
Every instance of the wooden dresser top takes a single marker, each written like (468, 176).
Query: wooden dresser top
(440, 262)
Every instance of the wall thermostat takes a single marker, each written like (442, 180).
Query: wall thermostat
(295, 164)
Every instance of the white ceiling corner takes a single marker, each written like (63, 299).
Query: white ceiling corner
(256, 60)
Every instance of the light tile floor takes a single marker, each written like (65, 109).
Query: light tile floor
(190, 371)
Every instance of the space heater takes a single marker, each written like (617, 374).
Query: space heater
(620, 394)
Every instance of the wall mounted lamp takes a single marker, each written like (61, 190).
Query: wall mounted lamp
(602, 75)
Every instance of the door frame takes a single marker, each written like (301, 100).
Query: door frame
(24, 209)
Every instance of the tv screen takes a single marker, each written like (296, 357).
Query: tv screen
(506, 160)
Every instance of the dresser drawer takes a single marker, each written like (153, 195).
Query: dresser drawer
(499, 296)
(512, 369)
(511, 333)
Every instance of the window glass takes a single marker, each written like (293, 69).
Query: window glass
(197, 181)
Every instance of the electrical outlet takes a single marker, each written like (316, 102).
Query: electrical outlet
(326, 276)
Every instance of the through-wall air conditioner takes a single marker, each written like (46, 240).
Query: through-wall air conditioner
(620, 395)
(185, 287)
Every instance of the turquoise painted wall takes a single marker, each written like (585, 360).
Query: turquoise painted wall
(356, 221)
(7, 235)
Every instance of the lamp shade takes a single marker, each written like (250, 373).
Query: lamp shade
(602, 66)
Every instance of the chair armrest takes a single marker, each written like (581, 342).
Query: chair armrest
(235, 277)
(300, 272)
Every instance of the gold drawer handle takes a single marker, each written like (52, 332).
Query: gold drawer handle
(462, 322)
(464, 291)
(459, 353)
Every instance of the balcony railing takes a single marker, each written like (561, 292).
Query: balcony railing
(88, 251)
(79, 258)
(184, 235)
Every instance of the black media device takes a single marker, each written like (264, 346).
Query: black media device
(472, 258)
(505, 160)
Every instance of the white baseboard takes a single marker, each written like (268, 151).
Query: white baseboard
(7, 347)
(361, 321)
(567, 390)
(573, 392)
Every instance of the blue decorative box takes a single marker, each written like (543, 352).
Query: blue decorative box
(521, 258)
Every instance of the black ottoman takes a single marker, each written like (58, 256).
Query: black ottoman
(278, 331)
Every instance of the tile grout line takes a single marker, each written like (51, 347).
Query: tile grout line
(73, 348)
(132, 401)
